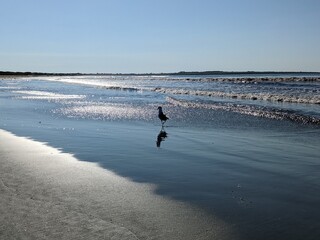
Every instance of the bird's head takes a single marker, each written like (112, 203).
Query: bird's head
(159, 108)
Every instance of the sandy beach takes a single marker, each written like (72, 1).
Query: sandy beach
(47, 194)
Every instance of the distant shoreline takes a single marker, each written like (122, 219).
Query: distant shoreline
(181, 73)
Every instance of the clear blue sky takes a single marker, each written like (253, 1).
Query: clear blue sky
(159, 35)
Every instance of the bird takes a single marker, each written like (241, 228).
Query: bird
(163, 118)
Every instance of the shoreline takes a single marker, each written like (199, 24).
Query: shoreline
(53, 195)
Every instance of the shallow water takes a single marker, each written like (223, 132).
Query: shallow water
(255, 172)
(293, 98)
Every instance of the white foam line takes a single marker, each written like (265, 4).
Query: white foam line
(249, 96)
(248, 110)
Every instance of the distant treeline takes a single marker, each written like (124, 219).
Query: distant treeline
(183, 73)
(239, 73)
(8, 73)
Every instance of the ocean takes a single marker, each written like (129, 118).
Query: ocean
(243, 148)
(134, 97)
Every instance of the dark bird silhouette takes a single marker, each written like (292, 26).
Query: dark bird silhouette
(163, 118)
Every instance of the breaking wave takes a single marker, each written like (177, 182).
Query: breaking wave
(249, 96)
(257, 111)
(100, 83)
(122, 88)
(202, 86)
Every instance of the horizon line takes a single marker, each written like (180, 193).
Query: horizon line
(214, 72)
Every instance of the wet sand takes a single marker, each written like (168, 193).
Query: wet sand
(47, 194)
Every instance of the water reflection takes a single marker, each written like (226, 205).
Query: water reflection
(161, 136)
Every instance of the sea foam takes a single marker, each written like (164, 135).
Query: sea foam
(249, 96)
(252, 110)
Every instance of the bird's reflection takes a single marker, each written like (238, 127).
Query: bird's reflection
(161, 136)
